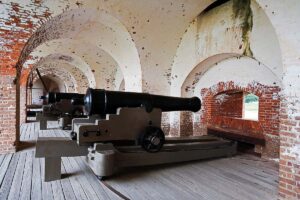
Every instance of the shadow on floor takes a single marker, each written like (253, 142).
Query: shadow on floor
(25, 145)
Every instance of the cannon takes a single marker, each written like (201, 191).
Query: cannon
(59, 107)
(98, 101)
(54, 97)
(143, 107)
(124, 129)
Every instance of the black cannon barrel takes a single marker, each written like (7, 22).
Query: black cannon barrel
(31, 113)
(77, 102)
(54, 97)
(98, 101)
(43, 97)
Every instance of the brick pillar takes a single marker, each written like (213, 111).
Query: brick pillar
(186, 123)
(174, 123)
(22, 104)
(7, 113)
(289, 164)
(165, 122)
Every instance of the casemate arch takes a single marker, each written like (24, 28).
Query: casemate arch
(36, 89)
(81, 80)
(103, 71)
(79, 67)
(62, 74)
(241, 70)
(201, 40)
(95, 27)
(201, 45)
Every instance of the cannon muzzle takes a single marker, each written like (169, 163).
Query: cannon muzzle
(98, 101)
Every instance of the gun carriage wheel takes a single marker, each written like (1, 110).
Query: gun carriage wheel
(73, 135)
(152, 139)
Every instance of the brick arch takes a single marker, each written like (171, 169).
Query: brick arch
(208, 94)
(182, 122)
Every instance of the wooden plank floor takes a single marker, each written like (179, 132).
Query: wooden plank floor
(21, 174)
(242, 177)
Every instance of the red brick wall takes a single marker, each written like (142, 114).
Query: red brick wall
(186, 123)
(22, 104)
(15, 30)
(7, 113)
(289, 166)
(269, 104)
(165, 124)
(228, 104)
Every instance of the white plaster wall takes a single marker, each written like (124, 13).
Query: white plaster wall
(217, 32)
(58, 73)
(188, 87)
(93, 27)
(146, 38)
(55, 53)
(119, 80)
(37, 91)
(264, 41)
(186, 56)
(285, 19)
(81, 80)
(95, 63)
(38, 88)
(242, 71)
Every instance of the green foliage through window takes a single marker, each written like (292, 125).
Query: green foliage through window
(251, 98)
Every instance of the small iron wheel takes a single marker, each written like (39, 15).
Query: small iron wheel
(73, 135)
(152, 139)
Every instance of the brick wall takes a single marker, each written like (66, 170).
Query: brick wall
(15, 30)
(7, 113)
(228, 104)
(223, 109)
(22, 104)
(165, 124)
(289, 164)
(186, 123)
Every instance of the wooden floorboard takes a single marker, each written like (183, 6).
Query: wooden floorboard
(6, 185)
(243, 177)
(66, 185)
(2, 157)
(36, 181)
(46, 188)
(4, 165)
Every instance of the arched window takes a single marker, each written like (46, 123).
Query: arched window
(251, 106)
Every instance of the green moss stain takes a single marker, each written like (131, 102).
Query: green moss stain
(242, 10)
